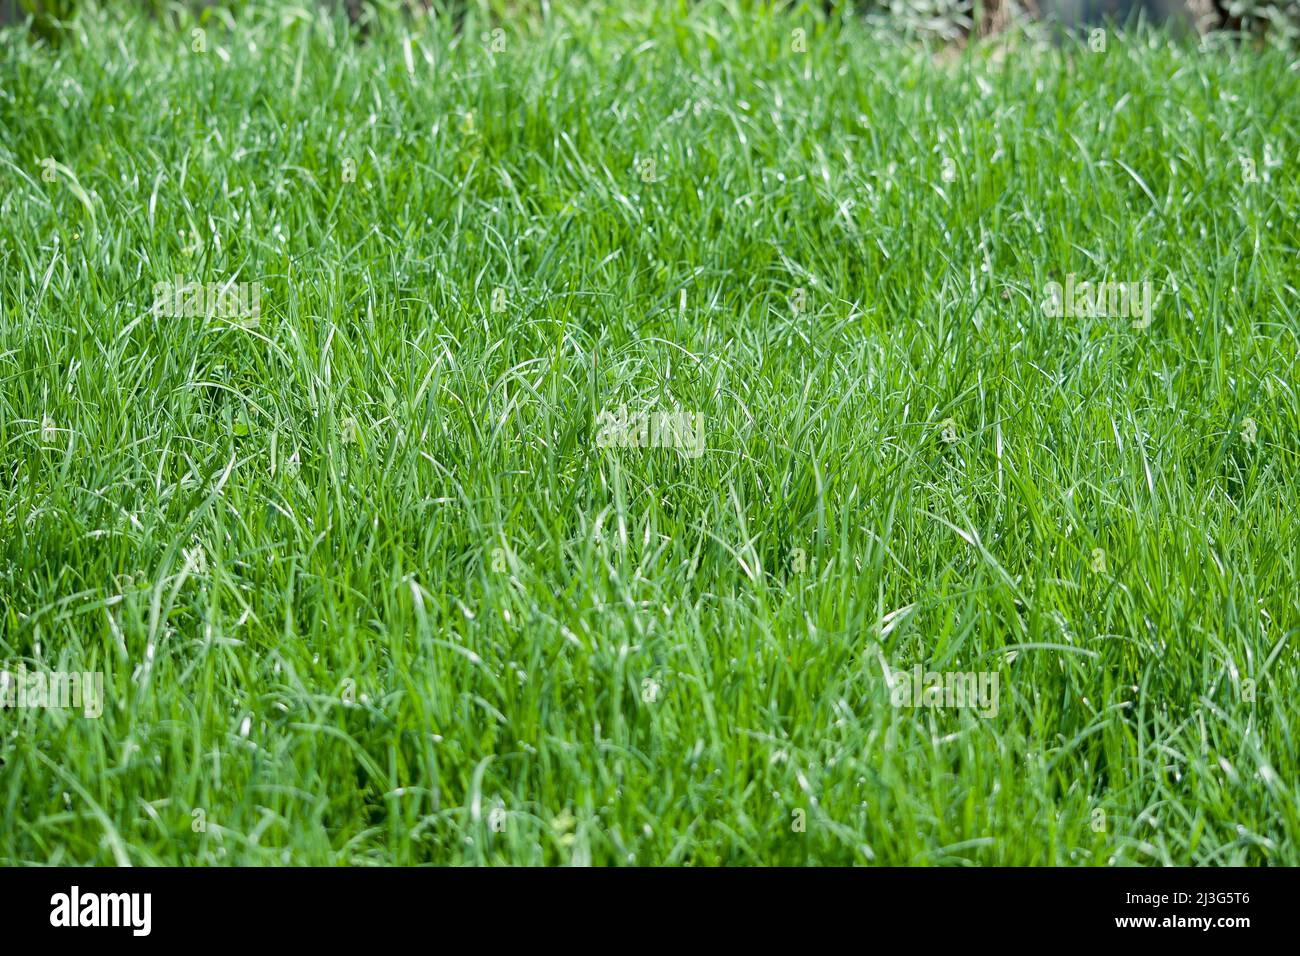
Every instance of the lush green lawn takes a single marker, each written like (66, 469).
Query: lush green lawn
(365, 587)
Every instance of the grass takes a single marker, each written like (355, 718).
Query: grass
(366, 589)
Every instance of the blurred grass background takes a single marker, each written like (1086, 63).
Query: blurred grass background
(948, 20)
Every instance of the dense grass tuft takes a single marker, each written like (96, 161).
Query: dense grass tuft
(363, 584)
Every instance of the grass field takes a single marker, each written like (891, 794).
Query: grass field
(367, 585)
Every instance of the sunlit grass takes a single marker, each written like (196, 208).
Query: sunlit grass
(365, 588)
